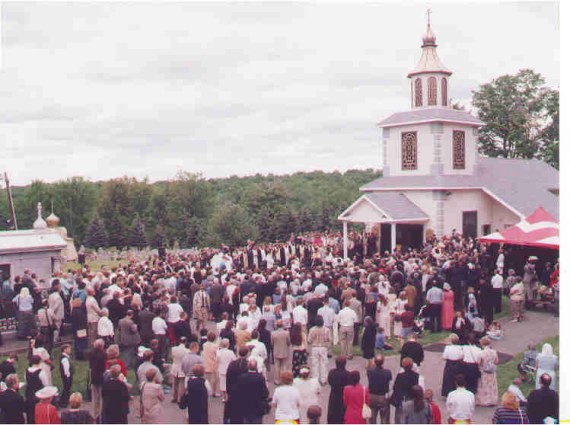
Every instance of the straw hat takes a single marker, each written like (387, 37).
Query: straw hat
(46, 392)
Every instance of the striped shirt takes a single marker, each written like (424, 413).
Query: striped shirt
(509, 416)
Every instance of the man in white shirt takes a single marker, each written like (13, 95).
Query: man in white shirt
(497, 284)
(173, 316)
(160, 329)
(321, 290)
(93, 315)
(287, 400)
(460, 403)
(300, 314)
(346, 320)
(329, 316)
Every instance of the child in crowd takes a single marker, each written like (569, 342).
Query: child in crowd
(381, 343)
(435, 412)
(515, 389)
(495, 331)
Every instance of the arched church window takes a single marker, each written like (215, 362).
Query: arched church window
(409, 150)
(444, 91)
(458, 150)
(432, 91)
(419, 93)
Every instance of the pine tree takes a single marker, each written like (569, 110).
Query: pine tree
(137, 236)
(96, 236)
(159, 238)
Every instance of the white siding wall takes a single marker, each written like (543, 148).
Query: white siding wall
(37, 262)
(488, 210)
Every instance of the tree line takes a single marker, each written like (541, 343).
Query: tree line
(189, 210)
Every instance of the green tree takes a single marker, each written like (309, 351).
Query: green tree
(137, 235)
(520, 116)
(231, 225)
(38, 191)
(159, 237)
(96, 235)
(75, 200)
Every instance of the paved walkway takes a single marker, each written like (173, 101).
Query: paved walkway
(536, 327)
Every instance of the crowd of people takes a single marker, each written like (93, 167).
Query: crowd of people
(221, 322)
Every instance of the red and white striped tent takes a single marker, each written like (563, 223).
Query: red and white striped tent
(539, 229)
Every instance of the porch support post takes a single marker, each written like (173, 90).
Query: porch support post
(345, 239)
(393, 236)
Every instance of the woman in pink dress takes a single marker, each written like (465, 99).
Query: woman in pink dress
(354, 396)
(447, 312)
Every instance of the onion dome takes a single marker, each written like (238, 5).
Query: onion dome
(40, 222)
(52, 221)
(429, 61)
(429, 38)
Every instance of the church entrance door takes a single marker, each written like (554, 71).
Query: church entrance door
(470, 224)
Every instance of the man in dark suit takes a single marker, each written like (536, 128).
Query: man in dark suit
(542, 402)
(116, 309)
(115, 399)
(12, 404)
(235, 369)
(413, 350)
(402, 388)
(379, 387)
(197, 396)
(129, 338)
(250, 395)
(144, 321)
(97, 358)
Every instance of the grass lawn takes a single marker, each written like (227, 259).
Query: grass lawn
(94, 265)
(426, 338)
(508, 371)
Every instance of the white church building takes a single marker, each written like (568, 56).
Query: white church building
(434, 180)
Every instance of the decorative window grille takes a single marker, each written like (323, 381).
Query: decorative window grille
(410, 150)
(458, 150)
(432, 91)
(419, 93)
(444, 91)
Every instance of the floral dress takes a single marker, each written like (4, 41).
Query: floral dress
(487, 393)
(300, 356)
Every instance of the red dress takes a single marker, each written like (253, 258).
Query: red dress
(46, 413)
(435, 413)
(353, 397)
(447, 312)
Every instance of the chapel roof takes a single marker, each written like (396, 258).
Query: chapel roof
(429, 61)
(397, 205)
(426, 115)
(522, 184)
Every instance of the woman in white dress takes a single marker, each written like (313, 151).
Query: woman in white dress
(398, 308)
(383, 317)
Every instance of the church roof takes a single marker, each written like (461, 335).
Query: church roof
(425, 115)
(520, 184)
(397, 206)
(18, 241)
(384, 207)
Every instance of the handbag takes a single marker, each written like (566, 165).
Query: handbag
(489, 368)
(366, 411)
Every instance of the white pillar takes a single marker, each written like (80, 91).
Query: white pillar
(345, 239)
(393, 236)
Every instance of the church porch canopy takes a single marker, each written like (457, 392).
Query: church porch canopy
(386, 207)
(379, 208)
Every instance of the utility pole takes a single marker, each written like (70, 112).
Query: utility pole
(13, 221)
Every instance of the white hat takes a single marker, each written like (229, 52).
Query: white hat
(446, 286)
(46, 392)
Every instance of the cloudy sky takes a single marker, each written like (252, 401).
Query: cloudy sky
(103, 90)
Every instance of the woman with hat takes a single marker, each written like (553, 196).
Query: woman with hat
(309, 389)
(45, 412)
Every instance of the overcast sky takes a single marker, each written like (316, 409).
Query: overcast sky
(103, 90)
